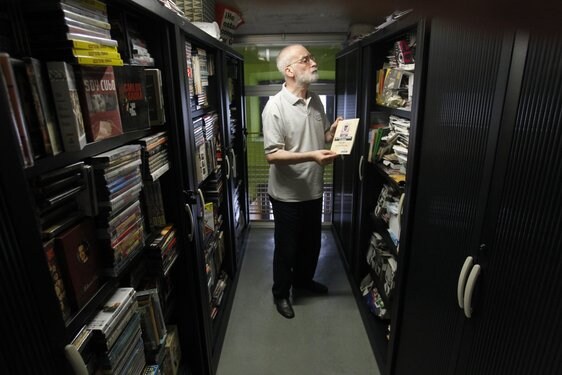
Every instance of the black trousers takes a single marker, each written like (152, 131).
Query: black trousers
(298, 231)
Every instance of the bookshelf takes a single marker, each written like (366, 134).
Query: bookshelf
(378, 104)
(482, 116)
(181, 278)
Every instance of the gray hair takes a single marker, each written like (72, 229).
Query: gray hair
(285, 57)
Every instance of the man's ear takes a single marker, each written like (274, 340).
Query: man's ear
(289, 71)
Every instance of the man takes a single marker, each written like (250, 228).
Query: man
(295, 129)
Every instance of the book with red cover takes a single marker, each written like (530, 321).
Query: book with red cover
(131, 91)
(99, 102)
(78, 251)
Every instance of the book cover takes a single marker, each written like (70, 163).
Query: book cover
(43, 106)
(79, 251)
(98, 96)
(344, 137)
(16, 109)
(67, 105)
(131, 91)
(58, 284)
(155, 96)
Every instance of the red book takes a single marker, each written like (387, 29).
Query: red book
(77, 249)
(99, 102)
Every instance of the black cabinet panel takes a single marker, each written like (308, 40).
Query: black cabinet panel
(459, 124)
(345, 168)
(521, 270)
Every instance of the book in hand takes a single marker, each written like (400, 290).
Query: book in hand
(67, 105)
(344, 137)
(131, 91)
(79, 250)
(98, 96)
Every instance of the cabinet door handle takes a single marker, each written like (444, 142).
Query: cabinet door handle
(234, 166)
(227, 167)
(192, 223)
(361, 168)
(200, 192)
(75, 359)
(466, 267)
(470, 284)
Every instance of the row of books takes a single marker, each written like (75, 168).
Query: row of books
(87, 104)
(124, 334)
(388, 144)
(395, 80)
(200, 66)
(92, 221)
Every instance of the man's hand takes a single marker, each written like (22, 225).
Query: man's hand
(329, 135)
(324, 157)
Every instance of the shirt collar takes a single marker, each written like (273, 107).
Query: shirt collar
(290, 97)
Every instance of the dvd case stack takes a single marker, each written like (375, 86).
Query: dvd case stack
(117, 330)
(218, 293)
(154, 205)
(200, 77)
(163, 250)
(120, 221)
(189, 72)
(154, 151)
(79, 32)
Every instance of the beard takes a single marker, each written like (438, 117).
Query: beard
(307, 78)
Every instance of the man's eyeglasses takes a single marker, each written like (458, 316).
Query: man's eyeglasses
(303, 60)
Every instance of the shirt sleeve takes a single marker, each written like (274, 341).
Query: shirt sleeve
(273, 135)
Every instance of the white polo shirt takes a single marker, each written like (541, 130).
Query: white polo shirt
(297, 125)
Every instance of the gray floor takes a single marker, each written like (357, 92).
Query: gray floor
(326, 337)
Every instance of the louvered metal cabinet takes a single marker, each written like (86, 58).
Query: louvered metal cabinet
(488, 188)
(348, 74)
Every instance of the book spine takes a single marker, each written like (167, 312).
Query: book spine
(69, 113)
(43, 108)
(98, 60)
(17, 111)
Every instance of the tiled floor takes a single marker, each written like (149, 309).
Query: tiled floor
(326, 337)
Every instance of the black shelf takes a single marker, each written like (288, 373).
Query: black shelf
(398, 186)
(201, 112)
(405, 113)
(65, 158)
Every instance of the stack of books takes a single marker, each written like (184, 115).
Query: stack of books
(120, 221)
(78, 32)
(154, 153)
(117, 330)
(395, 149)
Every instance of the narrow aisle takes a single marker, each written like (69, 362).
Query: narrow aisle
(326, 337)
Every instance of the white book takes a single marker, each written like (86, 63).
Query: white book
(344, 137)
(67, 105)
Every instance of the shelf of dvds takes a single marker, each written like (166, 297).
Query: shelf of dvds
(136, 183)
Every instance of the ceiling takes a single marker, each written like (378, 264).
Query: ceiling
(336, 16)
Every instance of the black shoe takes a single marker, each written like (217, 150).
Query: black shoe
(313, 287)
(284, 307)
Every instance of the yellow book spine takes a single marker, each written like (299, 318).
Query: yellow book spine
(105, 53)
(90, 60)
